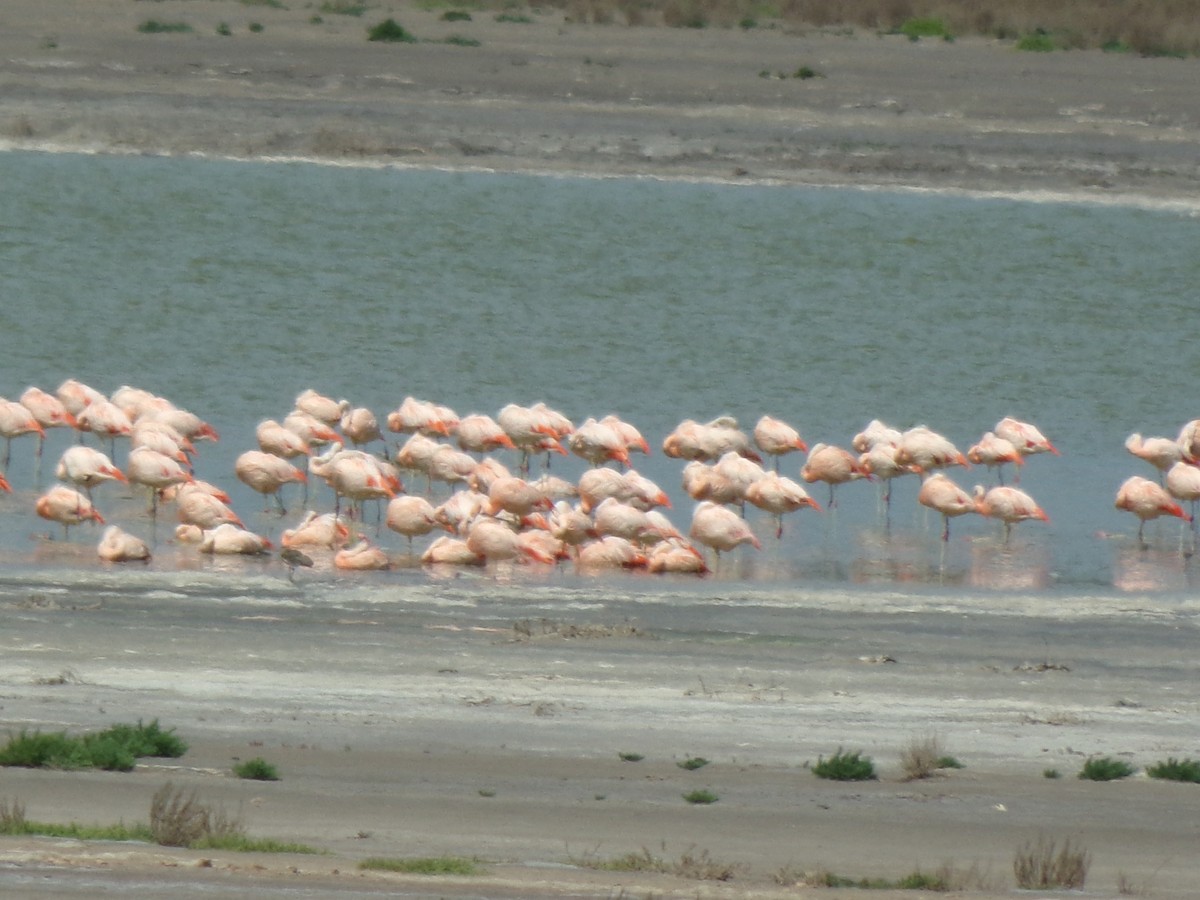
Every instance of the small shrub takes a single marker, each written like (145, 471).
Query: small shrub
(631, 757)
(224, 30)
(845, 767)
(147, 740)
(1051, 773)
(701, 798)
(256, 27)
(514, 18)
(391, 31)
(1173, 769)
(692, 763)
(920, 758)
(1105, 768)
(456, 15)
(257, 769)
(430, 865)
(458, 40)
(747, 23)
(917, 28)
(806, 72)
(1037, 42)
(12, 817)
(152, 26)
(1038, 865)
(180, 820)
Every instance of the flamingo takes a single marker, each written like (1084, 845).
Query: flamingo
(597, 443)
(195, 506)
(489, 469)
(571, 525)
(1189, 440)
(613, 517)
(460, 509)
(106, 420)
(187, 423)
(993, 452)
(410, 516)
(452, 551)
(928, 450)
(156, 471)
(429, 419)
(360, 425)
(610, 553)
(1024, 436)
(720, 528)
(1147, 500)
(879, 461)
(776, 437)
(164, 438)
(779, 495)
(1009, 505)
(676, 557)
(326, 409)
(361, 556)
(266, 474)
(67, 507)
(75, 396)
(273, 438)
(1183, 483)
(875, 434)
(1160, 452)
(16, 420)
(316, 530)
(496, 542)
(231, 540)
(643, 492)
(516, 496)
(634, 442)
(86, 467)
(310, 429)
(478, 433)
(48, 410)
(939, 492)
(118, 545)
(834, 466)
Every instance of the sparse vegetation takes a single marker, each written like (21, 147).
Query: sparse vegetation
(1105, 768)
(391, 31)
(176, 820)
(257, 769)
(343, 7)
(153, 26)
(1051, 773)
(115, 749)
(1040, 864)
(255, 27)
(845, 767)
(692, 763)
(224, 30)
(456, 15)
(1172, 769)
(701, 797)
(699, 866)
(922, 757)
(917, 28)
(1037, 42)
(424, 865)
(631, 757)
(945, 878)
(457, 40)
(515, 18)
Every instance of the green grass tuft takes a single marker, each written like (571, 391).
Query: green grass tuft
(916, 28)
(1105, 768)
(692, 763)
(115, 749)
(455, 15)
(1172, 769)
(153, 26)
(257, 769)
(427, 865)
(701, 798)
(391, 31)
(1037, 42)
(845, 767)
(457, 40)
(631, 757)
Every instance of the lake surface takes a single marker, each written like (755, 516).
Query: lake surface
(229, 287)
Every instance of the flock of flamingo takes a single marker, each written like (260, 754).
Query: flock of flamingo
(611, 517)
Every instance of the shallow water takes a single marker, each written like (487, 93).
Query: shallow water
(229, 287)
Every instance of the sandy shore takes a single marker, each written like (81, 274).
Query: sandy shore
(404, 736)
(555, 96)
(551, 95)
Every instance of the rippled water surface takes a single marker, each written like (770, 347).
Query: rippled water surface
(230, 287)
